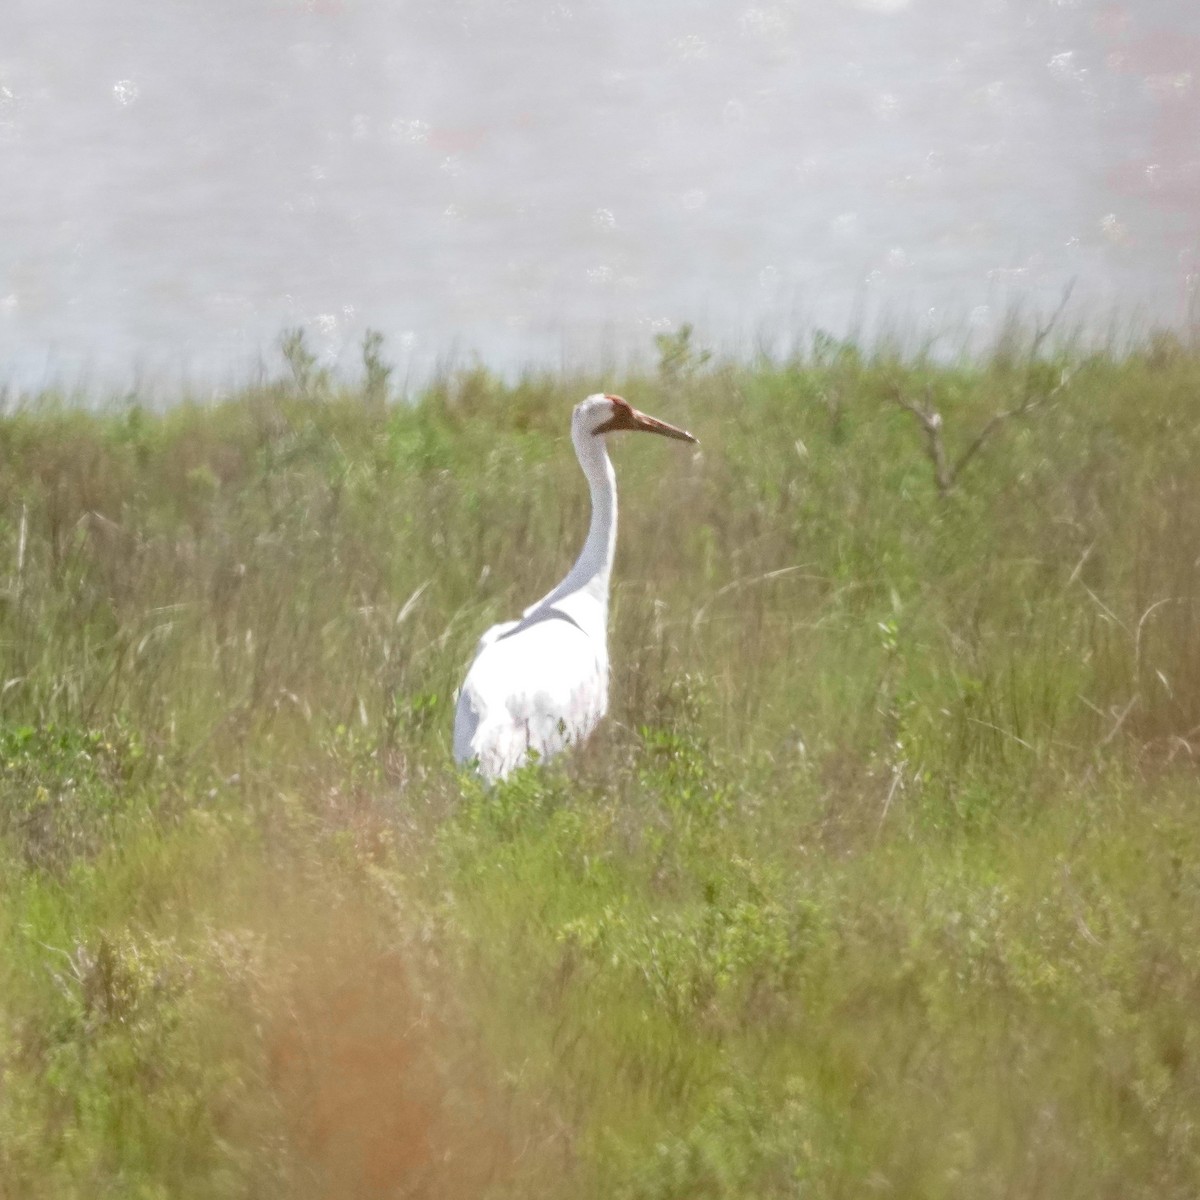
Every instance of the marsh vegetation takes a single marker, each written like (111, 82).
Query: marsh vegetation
(883, 877)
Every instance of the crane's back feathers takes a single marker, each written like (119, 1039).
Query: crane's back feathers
(538, 684)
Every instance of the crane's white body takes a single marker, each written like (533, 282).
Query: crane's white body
(540, 683)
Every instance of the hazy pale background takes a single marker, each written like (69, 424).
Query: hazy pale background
(539, 182)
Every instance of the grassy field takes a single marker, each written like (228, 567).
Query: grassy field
(883, 879)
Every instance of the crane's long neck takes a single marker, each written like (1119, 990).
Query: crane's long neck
(593, 567)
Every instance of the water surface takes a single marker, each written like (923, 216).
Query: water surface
(540, 182)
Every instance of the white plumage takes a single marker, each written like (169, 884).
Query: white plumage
(540, 683)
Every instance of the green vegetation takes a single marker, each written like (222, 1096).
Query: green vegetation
(882, 879)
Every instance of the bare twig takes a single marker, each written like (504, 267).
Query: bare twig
(930, 420)
(1027, 405)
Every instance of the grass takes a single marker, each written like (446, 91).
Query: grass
(880, 880)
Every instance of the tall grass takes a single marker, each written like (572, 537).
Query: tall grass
(881, 877)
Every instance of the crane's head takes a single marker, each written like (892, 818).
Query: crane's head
(603, 413)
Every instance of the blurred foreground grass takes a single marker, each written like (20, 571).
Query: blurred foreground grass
(883, 878)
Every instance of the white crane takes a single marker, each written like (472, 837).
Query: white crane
(541, 683)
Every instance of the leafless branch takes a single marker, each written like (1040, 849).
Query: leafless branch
(1027, 405)
(931, 422)
(946, 475)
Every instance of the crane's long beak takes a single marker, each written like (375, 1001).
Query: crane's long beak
(626, 417)
(654, 425)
